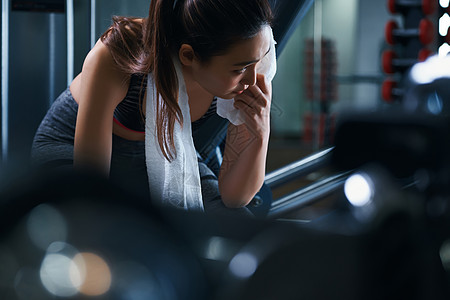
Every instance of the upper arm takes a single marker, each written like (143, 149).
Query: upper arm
(102, 87)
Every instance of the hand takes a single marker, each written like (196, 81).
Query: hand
(255, 103)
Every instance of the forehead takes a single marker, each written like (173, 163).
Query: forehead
(249, 50)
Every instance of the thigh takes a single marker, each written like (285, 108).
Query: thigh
(53, 142)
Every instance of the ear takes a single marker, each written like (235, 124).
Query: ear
(186, 54)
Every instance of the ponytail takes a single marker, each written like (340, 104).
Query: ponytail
(158, 36)
(143, 47)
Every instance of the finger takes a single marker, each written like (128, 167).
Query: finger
(251, 108)
(247, 98)
(248, 111)
(262, 83)
(258, 104)
(257, 96)
(262, 86)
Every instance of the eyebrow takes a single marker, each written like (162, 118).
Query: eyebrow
(245, 63)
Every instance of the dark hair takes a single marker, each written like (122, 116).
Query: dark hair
(211, 27)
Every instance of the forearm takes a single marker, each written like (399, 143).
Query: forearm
(93, 142)
(93, 155)
(243, 169)
(244, 165)
(92, 159)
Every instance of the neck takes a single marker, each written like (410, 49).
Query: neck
(199, 98)
(192, 86)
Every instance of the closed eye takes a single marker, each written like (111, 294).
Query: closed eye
(240, 71)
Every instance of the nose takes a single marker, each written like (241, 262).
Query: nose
(249, 76)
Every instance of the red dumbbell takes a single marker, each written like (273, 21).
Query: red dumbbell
(391, 63)
(428, 6)
(390, 91)
(308, 120)
(425, 32)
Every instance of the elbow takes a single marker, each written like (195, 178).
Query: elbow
(236, 200)
(233, 204)
(237, 196)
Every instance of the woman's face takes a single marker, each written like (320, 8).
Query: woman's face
(228, 75)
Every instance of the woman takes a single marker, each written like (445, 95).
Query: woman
(206, 49)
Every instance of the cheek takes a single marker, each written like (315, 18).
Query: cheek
(218, 81)
(229, 84)
(224, 83)
(231, 81)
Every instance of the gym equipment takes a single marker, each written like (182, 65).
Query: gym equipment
(428, 7)
(392, 63)
(323, 87)
(425, 32)
(447, 36)
(390, 90)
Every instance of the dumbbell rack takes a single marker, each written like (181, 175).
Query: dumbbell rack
(446, 38)
(408, 44)
(320, 91)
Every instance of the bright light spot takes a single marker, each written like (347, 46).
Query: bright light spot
(91, 274)
(434, 103)
(65, 272)
(358, 190)
(444, 3)
(46, 225)
(56, 275)
(444, 23)
(433, 68)
(444, 50)
(243, 265)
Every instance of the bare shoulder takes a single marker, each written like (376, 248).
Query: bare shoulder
(100, 64)
(100, 56)
(101, 79)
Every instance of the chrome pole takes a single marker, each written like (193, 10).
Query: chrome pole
(70, 41)
(93, 21)
(5, 78)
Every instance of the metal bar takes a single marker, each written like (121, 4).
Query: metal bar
(52, 59)
(297, 169)
(318, 36)
(354, 79)
(307, 196)
(70, 41)
(288, 24)
(93, 22)
(5, 78)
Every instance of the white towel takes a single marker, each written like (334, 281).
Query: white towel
(175, 183)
